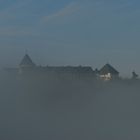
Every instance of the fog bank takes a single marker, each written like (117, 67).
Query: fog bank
(33, 108)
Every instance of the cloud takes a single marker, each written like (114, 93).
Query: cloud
(8, 12)
(67, 10)
(15, 32)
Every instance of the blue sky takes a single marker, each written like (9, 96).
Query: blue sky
(71, 32)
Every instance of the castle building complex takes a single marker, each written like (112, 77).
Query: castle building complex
(26, 65)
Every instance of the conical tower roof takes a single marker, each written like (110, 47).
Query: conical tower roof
(27, 62)
(108, 69)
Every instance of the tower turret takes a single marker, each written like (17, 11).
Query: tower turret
(26, 64)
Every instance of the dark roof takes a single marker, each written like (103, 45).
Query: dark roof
(108, 69)
(69, 69)
(27, 61)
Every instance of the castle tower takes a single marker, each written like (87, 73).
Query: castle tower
(26, 64)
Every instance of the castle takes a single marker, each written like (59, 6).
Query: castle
(27, 66)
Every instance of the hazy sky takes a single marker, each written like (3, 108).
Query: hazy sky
(71, 32)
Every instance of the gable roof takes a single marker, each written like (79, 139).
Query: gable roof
(27, 61)
(108, 69)
(70, 69)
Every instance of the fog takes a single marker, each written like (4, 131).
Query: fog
(34, 108)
